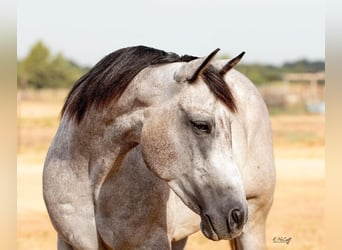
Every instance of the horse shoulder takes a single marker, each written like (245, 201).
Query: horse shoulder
(64, 179)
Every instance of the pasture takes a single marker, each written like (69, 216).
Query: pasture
(296, 215)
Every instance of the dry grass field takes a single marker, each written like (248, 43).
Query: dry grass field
(297, 212)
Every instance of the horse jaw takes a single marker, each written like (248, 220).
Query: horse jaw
(178, 188)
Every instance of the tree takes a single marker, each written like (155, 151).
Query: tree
(34, 66)
(42, 70)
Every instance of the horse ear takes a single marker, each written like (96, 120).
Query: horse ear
(190, 71)
(231, 64)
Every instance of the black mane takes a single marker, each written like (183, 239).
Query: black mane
(108, 79)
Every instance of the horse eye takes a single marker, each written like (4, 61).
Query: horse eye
(200, 126)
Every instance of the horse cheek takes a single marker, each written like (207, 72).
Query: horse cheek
(157, 149)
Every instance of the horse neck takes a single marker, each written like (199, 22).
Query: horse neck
(115, 130)
(111, 138)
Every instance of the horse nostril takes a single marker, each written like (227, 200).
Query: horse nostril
(236, 216)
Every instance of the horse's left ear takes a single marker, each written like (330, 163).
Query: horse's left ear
(231, 64)
(191, 70)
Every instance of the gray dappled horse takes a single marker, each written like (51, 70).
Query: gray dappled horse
(143, 120)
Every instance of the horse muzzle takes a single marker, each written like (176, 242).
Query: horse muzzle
(224, 226)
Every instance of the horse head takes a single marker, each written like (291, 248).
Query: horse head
(187, 141)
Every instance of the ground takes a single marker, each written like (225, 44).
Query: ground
(296, 215)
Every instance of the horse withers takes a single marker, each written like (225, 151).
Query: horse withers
(187, 123)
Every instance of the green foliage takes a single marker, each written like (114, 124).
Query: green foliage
(304, 66)
(42, 70)
(261, 74)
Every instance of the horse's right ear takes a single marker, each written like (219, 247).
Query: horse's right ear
(191, 70)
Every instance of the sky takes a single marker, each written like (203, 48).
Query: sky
(270, 31)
